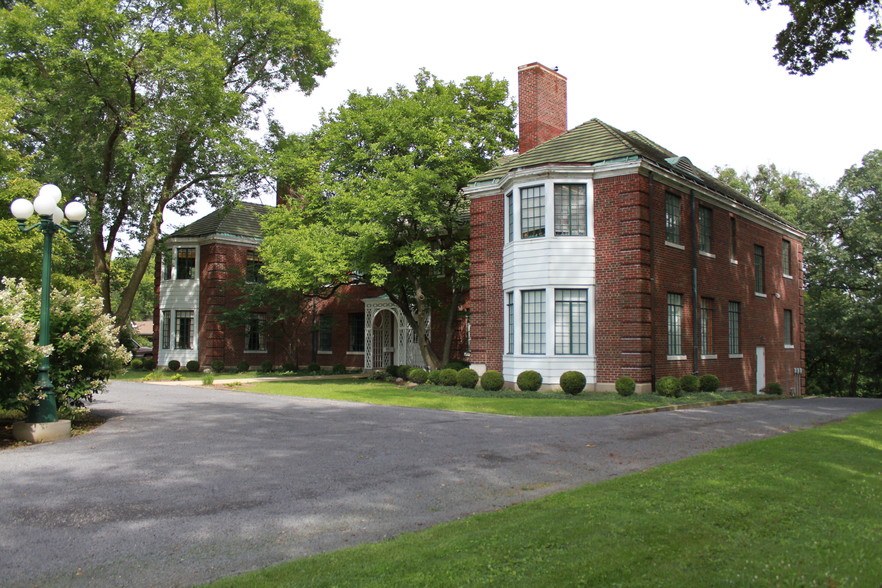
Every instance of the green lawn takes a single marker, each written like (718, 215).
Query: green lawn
(503, 402)
(803, 509)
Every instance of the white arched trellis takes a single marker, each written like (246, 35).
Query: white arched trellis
(388, 339)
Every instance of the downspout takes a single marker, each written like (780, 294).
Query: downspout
(696, 327)
(652, 313)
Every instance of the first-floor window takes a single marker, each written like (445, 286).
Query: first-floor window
(509, 303)
(571, 322)
(675, 324)
(255, 332)
(734, 328)
(707, 326)
(324, 332)
(533, 322)
(356, 331)
(788, 328)
(166, 329)
(184, 329)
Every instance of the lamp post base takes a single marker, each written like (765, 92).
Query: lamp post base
(41, 432)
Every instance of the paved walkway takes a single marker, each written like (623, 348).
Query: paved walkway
(185, 485)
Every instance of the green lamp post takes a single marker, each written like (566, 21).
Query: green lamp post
(51, 217)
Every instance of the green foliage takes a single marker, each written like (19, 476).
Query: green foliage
(208, 379)
(85, 349)
(418, 376)
(314, 368)
(192, 366)
(338, 368)
(668, 386)
(144, 106)
(435, 377)
(690, 384)
(492, 380)
(626, 386)
(708, 383)
(217, 366)
(773, 388)
(402, 371)
(447, 377)
(266, 366)
(136, 364)
(821, 31)
(396, 164)
(529, 380)
(289, 366)
(149, 365)
(457, 364)
(466, 378)
(572, 382)
(242, 366)
(174, 365)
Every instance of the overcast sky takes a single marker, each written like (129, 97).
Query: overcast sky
(696, 76)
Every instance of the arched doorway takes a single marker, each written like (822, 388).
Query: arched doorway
(383, 329)
(388, 339)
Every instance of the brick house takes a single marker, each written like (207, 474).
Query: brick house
(592, 249)
(600, 251)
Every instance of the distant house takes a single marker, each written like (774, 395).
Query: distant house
(592, 249)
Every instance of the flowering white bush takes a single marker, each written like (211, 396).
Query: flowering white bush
(85, 349)
(19, 354)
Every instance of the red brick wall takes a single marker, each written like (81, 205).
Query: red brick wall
(542, 105)
(485, 296)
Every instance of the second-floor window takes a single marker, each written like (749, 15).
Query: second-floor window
(570, 210)
(785, 258)
(672, 219)
(253, 263)
(186, 263)
(705, 227)
(532, 212)
(759, 269)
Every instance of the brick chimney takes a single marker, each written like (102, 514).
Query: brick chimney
(542, 105)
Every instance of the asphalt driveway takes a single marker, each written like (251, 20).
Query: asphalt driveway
(184, 485)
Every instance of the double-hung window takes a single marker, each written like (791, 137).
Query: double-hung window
(706, 319)
(734, 328)
(570, 210)
(533, 322)
(509, 205)
(532, 212)
(785, 258)
(570, 322)
(183, 329)
(510, 308)
(186, 266)
(705, 228)
(324, 332)
(255, 332)
(165, 329)
(788, 328)
(759, 269)
(356, 331)
(672, 218)
(253, 263)
(675, 324)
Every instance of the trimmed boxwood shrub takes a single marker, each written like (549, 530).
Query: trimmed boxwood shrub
(314, 368)
(242, 366)
(391, 370)
(492, 380)
(572, 382)
(217, 366)
(457, 364)
(418, 376)
(447, 377)
(174, 365)
(137, 364)
(689, 384)
(435, 377)
(668, 386)
(402, 371)
(708, 383)
(466, 378)
(192, 366)
(338, 368)
(625, 386)
(529, 381)
(149, 365)
(773, 388)
(289, 366)
(266, 366)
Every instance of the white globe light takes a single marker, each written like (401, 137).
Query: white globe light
(57, 216)
(51, 190)
(44, 204)
(75, 211)
(21, 209)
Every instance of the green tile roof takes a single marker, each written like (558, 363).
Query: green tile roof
(596, 142)
(241, 219)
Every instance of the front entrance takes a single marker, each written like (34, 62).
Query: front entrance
(383, 341)
(760, 369)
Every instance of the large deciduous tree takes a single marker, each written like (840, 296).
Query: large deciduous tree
(143, 106)
(378, 196)
(821, 31)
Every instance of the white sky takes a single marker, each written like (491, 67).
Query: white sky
(696, 76)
